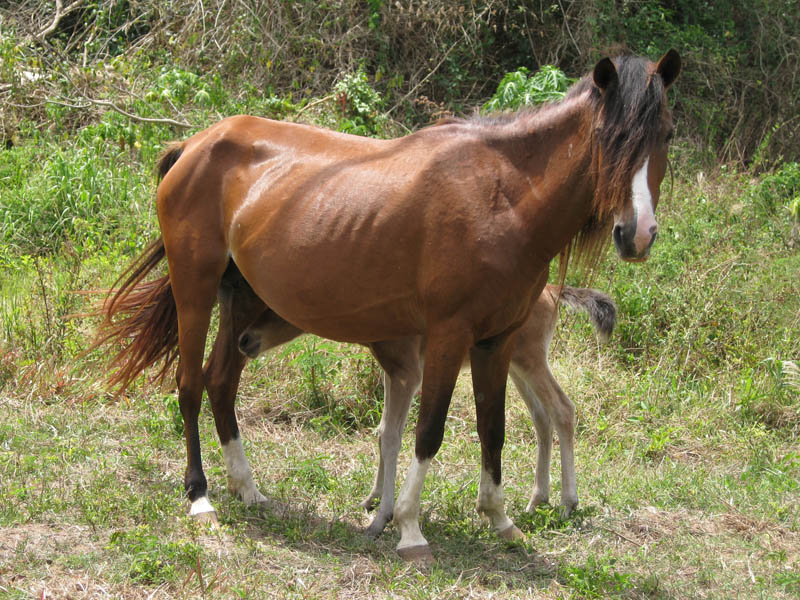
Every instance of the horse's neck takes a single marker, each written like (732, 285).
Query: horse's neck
(554, 156)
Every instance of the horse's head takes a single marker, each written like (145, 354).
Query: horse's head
(634, 129)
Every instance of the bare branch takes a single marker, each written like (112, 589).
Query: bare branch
(61, 12)
(115, 108)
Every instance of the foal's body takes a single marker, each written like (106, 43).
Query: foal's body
(402, 361)
(445, 234)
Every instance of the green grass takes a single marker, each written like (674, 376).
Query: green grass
(688, 421)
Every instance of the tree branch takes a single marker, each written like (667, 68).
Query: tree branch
(162, 121)
(60, 14)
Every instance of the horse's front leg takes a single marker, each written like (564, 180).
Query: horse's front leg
(444, 353)
(489, 361)
(402, 370)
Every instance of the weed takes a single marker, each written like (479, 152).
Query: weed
(150, 559)
(597, 578)
(340, 389)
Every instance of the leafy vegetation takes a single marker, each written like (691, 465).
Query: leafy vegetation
(516, 89)
(688, 421)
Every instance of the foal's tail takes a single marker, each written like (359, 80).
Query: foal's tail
(140, 314)
(599, 306)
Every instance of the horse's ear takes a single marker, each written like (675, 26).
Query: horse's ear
(605, 74)
(669, 67)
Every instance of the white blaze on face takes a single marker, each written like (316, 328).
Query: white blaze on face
(646, 224)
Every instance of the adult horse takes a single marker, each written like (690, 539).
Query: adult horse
(447, 234)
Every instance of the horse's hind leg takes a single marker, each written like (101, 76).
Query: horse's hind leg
(544, 439)
(540, 389)
(238, 306)
(402, 370)
(194, 278)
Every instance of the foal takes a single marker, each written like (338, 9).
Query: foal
(547, 404)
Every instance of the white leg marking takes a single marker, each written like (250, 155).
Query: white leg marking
(406, 513)
(201, 505)
(491, 504)
(240, 476)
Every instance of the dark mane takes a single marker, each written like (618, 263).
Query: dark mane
(626, 126)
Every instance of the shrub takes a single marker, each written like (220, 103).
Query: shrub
(517, 89)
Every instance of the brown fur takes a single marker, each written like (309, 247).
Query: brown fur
(446, 234)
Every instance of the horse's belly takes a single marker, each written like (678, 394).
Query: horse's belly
(341, 310)
(336, 289)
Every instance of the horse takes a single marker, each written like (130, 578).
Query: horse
(546, 402)
(446, 233)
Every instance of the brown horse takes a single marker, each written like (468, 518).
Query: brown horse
(446, 233)
(402, 362)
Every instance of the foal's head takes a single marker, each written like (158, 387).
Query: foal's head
(632, 130)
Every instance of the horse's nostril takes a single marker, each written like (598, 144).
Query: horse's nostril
(617, 235)
(654, 230)
(244, 341)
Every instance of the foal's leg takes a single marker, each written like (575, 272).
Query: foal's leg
(539, 389)
(544, 439)
(444, 353)
(402, 374)
(489, 362)
(238, 306)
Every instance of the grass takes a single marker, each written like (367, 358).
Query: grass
(688, 421)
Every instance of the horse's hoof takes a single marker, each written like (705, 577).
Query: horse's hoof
(369, 504)
(420, 555)
(376, 528)
(207, 518)
(512, 534)
(536, 503)
(566, 510)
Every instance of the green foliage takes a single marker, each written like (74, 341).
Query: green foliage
(87, 193)
(178, 86)
(597, 578)
(517, 89)
(551, 518)
(359, 105)
(340, 389)
(151, 559)
(779, 189)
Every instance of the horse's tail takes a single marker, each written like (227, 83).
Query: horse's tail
(141, 313)
(599, 306)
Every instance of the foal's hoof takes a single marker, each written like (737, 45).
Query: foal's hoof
(369, 503)
(376, 528)
(420, 555)
(512, 534)
(207, 518)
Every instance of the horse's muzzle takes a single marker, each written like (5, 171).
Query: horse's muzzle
(249, 345)
(632, 244)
